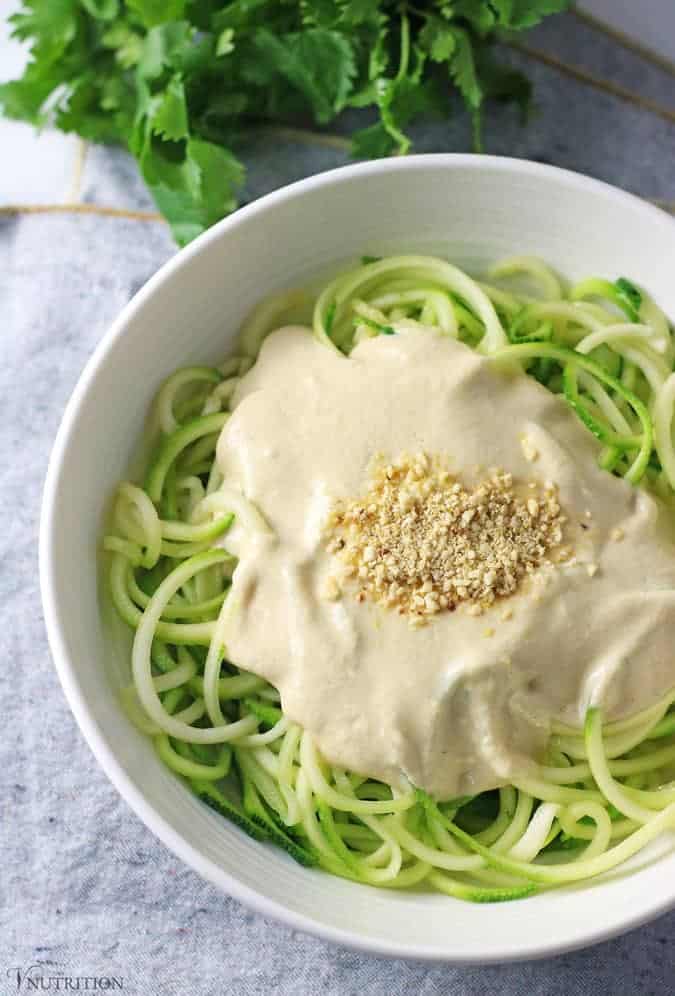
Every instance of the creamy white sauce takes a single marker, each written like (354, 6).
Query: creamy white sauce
(446, 706)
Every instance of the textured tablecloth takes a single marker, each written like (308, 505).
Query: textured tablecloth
(85, 889)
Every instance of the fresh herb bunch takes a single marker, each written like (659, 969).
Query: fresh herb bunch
(179, 81)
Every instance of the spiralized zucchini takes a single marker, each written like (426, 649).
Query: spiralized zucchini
(600, 794)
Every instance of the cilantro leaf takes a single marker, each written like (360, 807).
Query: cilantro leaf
(169, 117)
(520, 14)
(373, 142)
(153, 12)
(463, 70)
(225, 43)
(81, 112)
(195, 191)
(49, 26)
(24, 99)
(178, 81)
(163, 47)
(438, 39)
(126, 44)
(104, 10)
(317, 62)
(480, 16)
(221, 174)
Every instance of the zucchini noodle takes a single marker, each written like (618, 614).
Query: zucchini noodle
(600, 793)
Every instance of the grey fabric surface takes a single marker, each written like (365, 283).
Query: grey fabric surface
(85, 889)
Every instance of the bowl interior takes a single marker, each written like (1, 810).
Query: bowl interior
(472, 210)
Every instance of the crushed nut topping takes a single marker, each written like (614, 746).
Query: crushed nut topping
(421, 542)
(530, 452)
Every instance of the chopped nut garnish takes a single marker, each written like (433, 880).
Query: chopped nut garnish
(529, 450)
(592, 570)
(420, 542)
(617, 534)
(331, 589)
(507, 614)
(416, 620)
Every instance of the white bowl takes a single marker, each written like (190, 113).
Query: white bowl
(472, 209)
